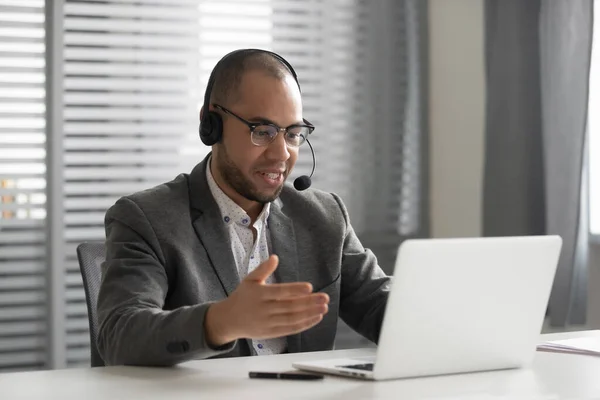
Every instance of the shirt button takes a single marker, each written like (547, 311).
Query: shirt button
(227, 219)
(245, 221)
(260, 346)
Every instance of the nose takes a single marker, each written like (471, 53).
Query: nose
(278, 149)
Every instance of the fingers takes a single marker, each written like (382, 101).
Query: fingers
(264, 270)
(293, 315)
(298, 304)
(279, 291)
(295, 318)
(286, 330)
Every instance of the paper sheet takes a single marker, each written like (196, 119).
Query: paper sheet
(585, 345)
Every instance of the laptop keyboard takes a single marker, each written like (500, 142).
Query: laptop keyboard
(363, 367)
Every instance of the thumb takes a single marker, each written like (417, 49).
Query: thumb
(264, 270)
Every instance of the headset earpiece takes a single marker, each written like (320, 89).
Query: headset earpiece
(211, 128)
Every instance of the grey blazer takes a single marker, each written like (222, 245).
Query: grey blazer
(169, 257)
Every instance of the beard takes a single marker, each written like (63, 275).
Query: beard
(234, 177)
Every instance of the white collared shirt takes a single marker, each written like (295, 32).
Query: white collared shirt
(247, 253)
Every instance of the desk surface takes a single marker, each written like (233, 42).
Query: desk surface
(552, 376)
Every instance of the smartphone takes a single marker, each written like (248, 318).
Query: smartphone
(294, 375)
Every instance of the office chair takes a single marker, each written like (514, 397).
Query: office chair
(90, 256)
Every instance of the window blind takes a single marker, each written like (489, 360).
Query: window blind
(23, 320)
(130, 72)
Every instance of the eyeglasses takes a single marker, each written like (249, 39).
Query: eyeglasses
(263, 133)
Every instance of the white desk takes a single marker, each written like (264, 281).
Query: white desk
(553, 376)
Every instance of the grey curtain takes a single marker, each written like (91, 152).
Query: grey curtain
(537, 71)
(389, 166)
(391, 163)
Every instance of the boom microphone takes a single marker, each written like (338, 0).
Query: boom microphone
(303, 182)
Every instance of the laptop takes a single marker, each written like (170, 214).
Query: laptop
(457, 306)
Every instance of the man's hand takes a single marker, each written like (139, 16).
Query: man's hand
(257, 310)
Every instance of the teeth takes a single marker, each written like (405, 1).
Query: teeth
(272, 175)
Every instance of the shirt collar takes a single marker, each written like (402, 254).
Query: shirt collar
(230, 211)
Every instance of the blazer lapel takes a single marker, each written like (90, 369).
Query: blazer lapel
(211, 230)
(283, 240)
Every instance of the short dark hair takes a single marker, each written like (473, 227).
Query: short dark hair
(230, 73)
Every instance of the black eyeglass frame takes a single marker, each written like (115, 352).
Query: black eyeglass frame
(254, 125)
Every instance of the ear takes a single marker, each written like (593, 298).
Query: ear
(201, 112)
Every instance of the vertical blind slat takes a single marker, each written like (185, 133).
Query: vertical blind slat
(22, 268)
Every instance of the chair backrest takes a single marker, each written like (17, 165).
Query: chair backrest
(91, 255)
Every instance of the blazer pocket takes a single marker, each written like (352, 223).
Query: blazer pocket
(327, 288)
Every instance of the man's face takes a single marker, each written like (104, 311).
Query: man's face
(257, 173)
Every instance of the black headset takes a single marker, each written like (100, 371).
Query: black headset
(211, 124)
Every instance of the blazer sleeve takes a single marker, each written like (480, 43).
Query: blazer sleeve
(364, 285)
(133, 327)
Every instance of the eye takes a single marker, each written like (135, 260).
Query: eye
(296, 135)
(264, 131)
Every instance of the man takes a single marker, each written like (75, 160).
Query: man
(228, 260)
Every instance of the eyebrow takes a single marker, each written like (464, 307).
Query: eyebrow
(268, 121)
